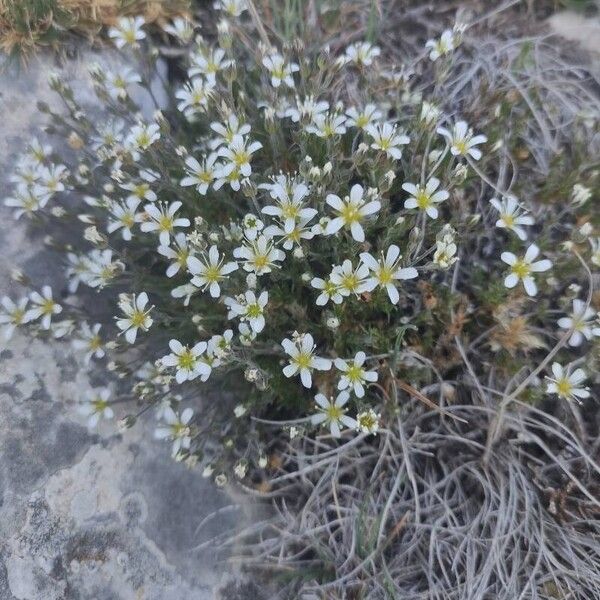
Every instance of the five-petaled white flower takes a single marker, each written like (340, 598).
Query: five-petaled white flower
(566, 383)
(200, 174)
(302, 358)
(521, 269)
(209, 270)
(327, 125)
(137, 316)
(259, 256)
(208, 63)
(249, 308)
(44, 307)
(252, 225)
(512, 216)
(386, 271)
(234, 8)
(329, 291)
(96, 406)
(361, 53)
(279, 70)
(351, 212)
(13, 315)
(178, 253)
(442, 46)
(124, 216)
(163, 220)
(193, 97)
(581, 323)
(425, 197)
(238, 153)
(348, 279)
(355, 376)
(387, 139)
(332, 413)
(187, 361)
(228, 130)
(362, 119)
(90, 342)
(176, 428)
(290, 207)
(367, 421)
(462, 141)
(127, 31)
(306, 110)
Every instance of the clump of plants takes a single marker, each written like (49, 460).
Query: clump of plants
(386, 272)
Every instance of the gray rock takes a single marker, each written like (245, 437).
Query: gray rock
(83, 514)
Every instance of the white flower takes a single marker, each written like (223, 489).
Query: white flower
(200, 174)
(425, 197)
(290, 207)
(430, 113)
(361, 53)
(187, 361)
(332, 413)
(163, 220)
(13, 315)
(141, 137)
(26, 201)
(349, 280)
(177, 429)
(565, 383)
(124, 217)
(209, 270)
(259, 256)
(117, 83)
(462, 141)
(100, 268)
(96, 407)
(89, 342)
(386, 271)
(521, 269)
(444, 45)
(279, 70)
(219, 346)
(581, 322)
(367, 421)
(181, 28)
(193, 97)
(300, 231)
(228, 130)
(351, 212)
(302, 358)
(580, 195)
(252, 225)
(354, 374)
(234, 8)
(38, 152)
(208, 63)
(361, 120)
(386, 139)
(249, 308)
(306, 110)
(127, 31)
(136, 315)
(50, 180)
(445, 250)
(178, 253)
(247, 336)
(327, 125)
(141, 190)
(238, 154)
(329, 291)
(511, 216)
(44, 307)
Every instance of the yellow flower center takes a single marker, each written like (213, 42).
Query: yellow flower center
(138, 318)
(521, 269)
(350, 282)
(165, 223)
(509, 220)
(47, 307)
(564, 387)
(423, 199)
(186, 360)
(334, 412)
(385, 275)
(213, 274)
(241, 158)
(350, 213)
(95, 343)
(253, 311)
(461, 146)
(367, 421)
(303, 360)
(354, 373)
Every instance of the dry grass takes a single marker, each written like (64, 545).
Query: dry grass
(27, 24)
